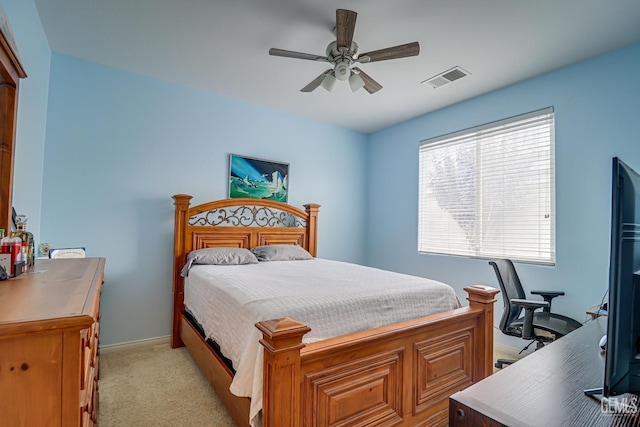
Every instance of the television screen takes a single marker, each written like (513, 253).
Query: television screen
(622, 363)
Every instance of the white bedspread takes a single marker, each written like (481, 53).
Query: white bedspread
(333, 298)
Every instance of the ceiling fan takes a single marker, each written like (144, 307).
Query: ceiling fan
(344, 52)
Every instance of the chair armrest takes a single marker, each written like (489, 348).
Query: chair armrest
(554, 293)
(548, 296)
(529, 307)
(529, 304)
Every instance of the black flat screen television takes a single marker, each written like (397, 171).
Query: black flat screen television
(622, 358)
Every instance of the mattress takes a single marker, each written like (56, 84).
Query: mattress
(333, 298)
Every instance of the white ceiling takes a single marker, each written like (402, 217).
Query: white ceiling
(222, 46)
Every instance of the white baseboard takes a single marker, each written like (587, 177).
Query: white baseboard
(131, 345)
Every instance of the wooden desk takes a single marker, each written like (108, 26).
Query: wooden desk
(543, 389)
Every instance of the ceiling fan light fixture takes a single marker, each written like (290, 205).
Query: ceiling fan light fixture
(356, 82)
(328, 82)
(342, 70)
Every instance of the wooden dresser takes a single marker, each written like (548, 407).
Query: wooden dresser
(49, 329)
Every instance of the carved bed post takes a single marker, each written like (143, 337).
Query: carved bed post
(312, 227)
(282, 342)
(483, 297)
(181, 201)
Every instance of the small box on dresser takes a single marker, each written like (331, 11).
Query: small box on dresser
(49, 337)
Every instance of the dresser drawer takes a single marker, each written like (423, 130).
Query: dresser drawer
(90, 343)
(86, 420)
(89, 397)
(96, 401)
(89, 371)
(95, 341)
(86, 393)
(86, 358)
(95, 308)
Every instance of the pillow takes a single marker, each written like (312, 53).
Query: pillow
(281, 253)
(218, 256)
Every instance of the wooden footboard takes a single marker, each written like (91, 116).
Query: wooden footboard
(401, 374)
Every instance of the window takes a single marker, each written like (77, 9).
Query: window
(488, 192)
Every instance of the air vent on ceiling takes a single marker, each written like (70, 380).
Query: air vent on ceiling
(447, 77)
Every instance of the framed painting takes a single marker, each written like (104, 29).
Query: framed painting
(258, 178)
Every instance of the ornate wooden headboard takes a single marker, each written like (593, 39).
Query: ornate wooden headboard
(242, 223)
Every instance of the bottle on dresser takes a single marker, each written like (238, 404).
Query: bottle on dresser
(4, 241)
(10, 254)
(26, 238)
(7, 244)
(6, 259)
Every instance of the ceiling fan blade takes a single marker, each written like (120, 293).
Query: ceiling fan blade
(370, 85)
(291, 54)
(315, 82)
(401, 51)
(345, 26)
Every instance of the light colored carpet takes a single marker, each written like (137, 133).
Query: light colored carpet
(158, 386)
(503, 352)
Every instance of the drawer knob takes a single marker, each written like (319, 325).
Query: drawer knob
(461, 413)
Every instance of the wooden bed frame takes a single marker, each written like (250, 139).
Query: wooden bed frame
(401, 374)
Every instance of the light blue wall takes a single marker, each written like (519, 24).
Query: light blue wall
(119, 145)
(597, 116)
(35, 56)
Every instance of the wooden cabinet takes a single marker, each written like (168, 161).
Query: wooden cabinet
(49, 336)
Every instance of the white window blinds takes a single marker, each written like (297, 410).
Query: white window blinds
(488, 192)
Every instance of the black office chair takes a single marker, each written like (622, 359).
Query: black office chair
(539, 327)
